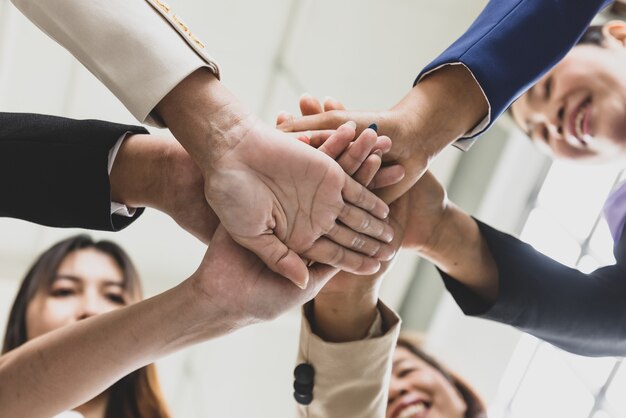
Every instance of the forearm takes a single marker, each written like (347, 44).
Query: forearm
(150, 56)
(64, 368)
(458, 248)
(157, 172)
(344, 316)
(441, 108)
(203, 115)
(45, 153)
(357, 370)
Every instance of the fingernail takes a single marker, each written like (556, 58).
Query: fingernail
(373, 127)
(303, 284)
(351, 124)
(379, 153)
(305, 95)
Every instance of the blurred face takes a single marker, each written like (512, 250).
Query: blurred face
(88, 283)
(417, 390)
(577, 111)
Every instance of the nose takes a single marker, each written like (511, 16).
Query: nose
(397, 387)
(91, 305)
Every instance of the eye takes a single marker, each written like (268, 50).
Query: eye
(406, 372)
(62, 292)
(548, 88)
(117, 299)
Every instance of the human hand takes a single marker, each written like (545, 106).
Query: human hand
(436, 112)
(243, 289)
(157, 172)
(279, 211)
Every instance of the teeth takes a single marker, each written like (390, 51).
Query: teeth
(412, 410)
(580, 117)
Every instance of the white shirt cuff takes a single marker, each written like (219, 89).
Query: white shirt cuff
(119, 209)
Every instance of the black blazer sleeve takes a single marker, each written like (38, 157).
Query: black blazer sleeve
(581, 313)
(53, 170)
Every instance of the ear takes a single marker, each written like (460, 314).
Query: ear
(615, 31)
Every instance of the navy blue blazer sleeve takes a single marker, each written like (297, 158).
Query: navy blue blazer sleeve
(581, 313)
(53, 170)
(513, 43)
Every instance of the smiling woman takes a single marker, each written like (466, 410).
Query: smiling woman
(76, 279)
(577, 111)
(420, 387)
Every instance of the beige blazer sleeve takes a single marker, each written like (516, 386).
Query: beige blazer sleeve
(351, 379)
(139, 49)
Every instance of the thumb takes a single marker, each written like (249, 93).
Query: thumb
(320, 274)
(279, 258)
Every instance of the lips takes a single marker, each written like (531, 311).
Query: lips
(579, 120)
(415, 409)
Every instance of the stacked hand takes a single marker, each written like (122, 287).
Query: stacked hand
(437, 111)
(280, 198)
(346, 305)
(242, 286)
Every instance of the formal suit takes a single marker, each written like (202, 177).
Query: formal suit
(512, 44)
(581, 313)
(54, 170)
(350, 379)
(139, 49)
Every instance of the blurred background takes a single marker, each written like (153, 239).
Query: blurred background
(367, 54)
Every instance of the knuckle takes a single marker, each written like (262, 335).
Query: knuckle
(365, 223)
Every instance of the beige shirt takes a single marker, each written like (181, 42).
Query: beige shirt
(139, 49)
(351, 379)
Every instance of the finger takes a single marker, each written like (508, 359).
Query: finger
(383, 143)
(332, 104)
(327, 120)
(337, 143)
(278, 257)
(393, 192)
(358, 151)
(387, 176)
(309, 105)
(355, 194)
(360, 221)
(360, 243)
(283, 117)
(319, 275)
(366, 173)
(327, 252)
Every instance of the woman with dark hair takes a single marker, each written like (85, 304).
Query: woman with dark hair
(419, 383)
(75, 279)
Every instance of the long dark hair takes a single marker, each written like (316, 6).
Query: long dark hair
(475, 405)
(137, 395)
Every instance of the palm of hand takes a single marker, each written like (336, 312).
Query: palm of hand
(247, 291)
(296, 199)
(427, 205)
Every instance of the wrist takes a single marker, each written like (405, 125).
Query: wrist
(337, 318)
(204, 116)
(441, 108)
(135, 177)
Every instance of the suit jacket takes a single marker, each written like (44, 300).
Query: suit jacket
(351, 379)
(54, 170)
(581, 313)
(139, 49)
(513, 43)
